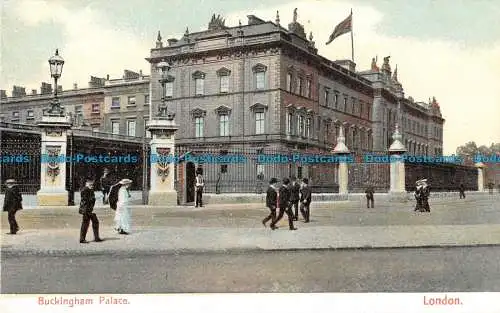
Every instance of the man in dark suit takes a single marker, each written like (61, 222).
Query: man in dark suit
(284, 204)
(86, 209)
(295, 197)
(305, 200)
(12, 203)
(271, 201)
(461, 189)
(106, 182)
(369, 196)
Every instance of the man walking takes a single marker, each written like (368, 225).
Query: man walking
(305, 200)
(106, 183)
(369, 196)
(12, 203)
(461, 189)
(271, 199)
(86, 209)
(284, 204)
(295, 197)
(199, 185)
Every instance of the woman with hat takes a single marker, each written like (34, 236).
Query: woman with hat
(12, 203)
(123, 215)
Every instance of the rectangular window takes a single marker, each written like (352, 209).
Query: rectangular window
(353, 107)
(327, 95)
(31, 115)
(199, 86)
(260, 79)
(289, 82)
(300, 88)
(301, 126)
(345, 105)
(169, 90)
(361, 105)
(336, 100)
(327, 130)
(289, 120)
(224, 125)
(95, 108)
(146, 100)
(198, 123)
(15, 114)
(115, 102)
(115, 127)
(224, 84)
(259, 123)
(309, 88)
(131, 100)
(95, 129)
(308, 127)
(131, 128)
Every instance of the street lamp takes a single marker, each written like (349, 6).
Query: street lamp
(56, 64)
(163, 110)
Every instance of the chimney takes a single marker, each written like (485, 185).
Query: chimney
(107, 76)
(18, 91)
(172, 41)
(46, 89)
(75, 86)
(33, 92)
(254, 20)
(127, 74)
(96, 82)
(3, 94)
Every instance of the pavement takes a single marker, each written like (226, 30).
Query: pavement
(223, 228)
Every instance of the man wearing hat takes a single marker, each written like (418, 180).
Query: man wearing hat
(294, 197)
(87, 203)
(285, 204)
(106, 182)
(271, 200)
(305, 200)
(12, 203)
(123, 214)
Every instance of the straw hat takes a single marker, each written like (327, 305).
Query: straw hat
(10, 182)
(125, 181)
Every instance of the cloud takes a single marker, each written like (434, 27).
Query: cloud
(464, 80)
(92, 45)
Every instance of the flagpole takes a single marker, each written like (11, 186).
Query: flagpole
(352, 39)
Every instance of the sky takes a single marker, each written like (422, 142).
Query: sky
(442, 48)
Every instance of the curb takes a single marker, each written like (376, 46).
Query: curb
(147, 252)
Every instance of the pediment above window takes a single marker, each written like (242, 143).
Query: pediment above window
(258, 106)
(224, 72)
(291, 108)
(327, 120)
(223, 110)
(199, 74)
(310, 112)
(259, 67)
(198, 113)
(336, 122)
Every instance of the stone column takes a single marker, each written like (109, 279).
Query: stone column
(480, 176)
(342, 151)
(53, 161)
(397, 189)
(162, 160)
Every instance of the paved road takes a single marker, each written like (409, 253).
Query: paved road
(381, 270)
(451, 212)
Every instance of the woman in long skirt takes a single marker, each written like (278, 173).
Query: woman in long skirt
(123, 215)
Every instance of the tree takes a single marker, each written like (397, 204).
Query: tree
(468, 151)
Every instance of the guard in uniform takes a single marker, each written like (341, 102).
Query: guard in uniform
(86, 209)
(285, 204)
(12, 203)
(271, 201)
(295, 197)
(199, 185)
(305, 200)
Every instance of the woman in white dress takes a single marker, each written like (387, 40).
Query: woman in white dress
(123, 215)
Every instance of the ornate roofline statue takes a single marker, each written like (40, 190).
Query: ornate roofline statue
(217, 23)
(295, 15)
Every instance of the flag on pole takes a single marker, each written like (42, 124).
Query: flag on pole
(342, 28)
